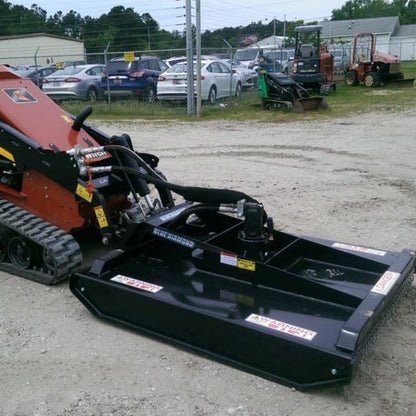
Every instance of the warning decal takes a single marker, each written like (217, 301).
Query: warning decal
(385, 283)
(101, 218)
(20, 95)
(228, 258)
(235, 261)
(284, 327)
(83, 193)
(139, 284)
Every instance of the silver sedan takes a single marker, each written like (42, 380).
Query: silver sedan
(81, 82)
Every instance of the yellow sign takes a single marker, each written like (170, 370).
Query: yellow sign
(83, 193)
(101, 218)
(129, 56)
(246, 264)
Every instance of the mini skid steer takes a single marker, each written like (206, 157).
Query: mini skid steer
(278, 91)
(209, 273)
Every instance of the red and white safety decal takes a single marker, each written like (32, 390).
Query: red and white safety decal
(228, 258)
(284, 327)
(139, 284)
(385, 283)
(365, 250)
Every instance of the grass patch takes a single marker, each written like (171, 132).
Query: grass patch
(346, 100)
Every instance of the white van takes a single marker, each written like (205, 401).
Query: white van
(249, 57)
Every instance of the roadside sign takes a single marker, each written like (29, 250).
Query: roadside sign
(129, 56)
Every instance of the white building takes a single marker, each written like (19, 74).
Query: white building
(271, 42)
(47, 49)
(391, 37)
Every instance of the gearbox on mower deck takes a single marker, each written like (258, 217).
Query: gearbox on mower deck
(210, 273)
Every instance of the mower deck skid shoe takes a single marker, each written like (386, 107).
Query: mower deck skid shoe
(301, 317)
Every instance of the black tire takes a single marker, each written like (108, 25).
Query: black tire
(371, 79)
(92, 94)
(150, 95)
(212, 95)
(351, 78)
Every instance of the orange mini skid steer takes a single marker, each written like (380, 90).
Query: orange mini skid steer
(210, 273)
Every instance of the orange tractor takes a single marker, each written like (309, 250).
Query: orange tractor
(373, 68)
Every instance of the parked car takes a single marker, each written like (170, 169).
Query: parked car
(249, 57)
(342, 59)
(248, 76)
(62, 65)
(36, 74)
(281, 57)
(174, 60)
(133, 78)
(217, 81)
(75, 82)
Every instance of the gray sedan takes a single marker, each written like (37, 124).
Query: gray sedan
(81, 82)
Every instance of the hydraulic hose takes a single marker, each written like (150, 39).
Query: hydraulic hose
(191, 193)
(195, 209)
(133, 154)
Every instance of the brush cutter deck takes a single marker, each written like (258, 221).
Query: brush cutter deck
(293, 309)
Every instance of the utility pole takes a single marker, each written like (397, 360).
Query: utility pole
(198, 57)
(189, 61)
(284, 31)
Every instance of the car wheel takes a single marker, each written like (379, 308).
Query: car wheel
(150, 94)
(212, 95)
(92, 95)
(238, 90)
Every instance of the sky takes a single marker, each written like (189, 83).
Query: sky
(215, 14)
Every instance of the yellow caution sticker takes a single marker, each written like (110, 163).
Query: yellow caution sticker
(6, 154)
(246, 264)
(101, 218)
(83, 193)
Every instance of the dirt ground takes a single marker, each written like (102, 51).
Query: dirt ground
(351, 179)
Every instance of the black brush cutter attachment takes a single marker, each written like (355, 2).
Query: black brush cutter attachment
(294, 309)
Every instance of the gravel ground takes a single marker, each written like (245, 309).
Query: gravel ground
(351, 179)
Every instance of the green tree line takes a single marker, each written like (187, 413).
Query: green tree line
(125, 29)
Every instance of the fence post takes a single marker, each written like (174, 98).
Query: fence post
(106, 71)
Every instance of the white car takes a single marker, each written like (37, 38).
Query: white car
(248, 76)
(217, 81)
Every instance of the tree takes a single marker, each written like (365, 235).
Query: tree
(359, 9)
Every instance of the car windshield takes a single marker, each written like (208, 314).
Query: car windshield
(68, 71)
(246, 54)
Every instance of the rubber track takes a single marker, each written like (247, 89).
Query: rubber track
(60, 246)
